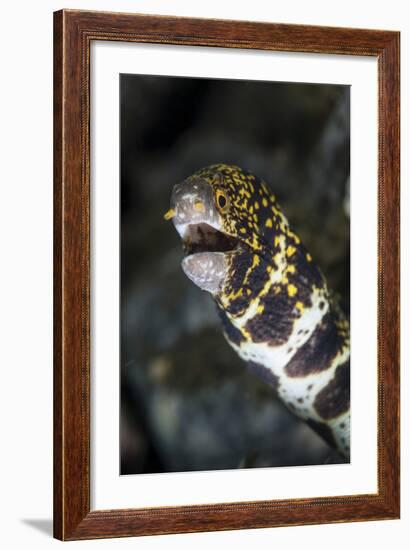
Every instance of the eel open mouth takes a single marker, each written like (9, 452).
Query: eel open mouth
(207, 251)
(201, 237)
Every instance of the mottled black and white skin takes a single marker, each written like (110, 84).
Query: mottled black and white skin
(274, 304)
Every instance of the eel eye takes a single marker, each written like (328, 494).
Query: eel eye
(222, 200)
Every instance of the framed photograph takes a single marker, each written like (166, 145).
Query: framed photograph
(226, 275)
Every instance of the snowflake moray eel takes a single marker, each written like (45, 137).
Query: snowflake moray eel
(276, 310)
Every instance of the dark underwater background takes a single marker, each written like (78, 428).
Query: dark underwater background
(187, 401)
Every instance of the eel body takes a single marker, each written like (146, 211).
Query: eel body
(274, 304)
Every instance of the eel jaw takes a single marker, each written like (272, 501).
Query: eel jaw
(207, 255)
(207, 270)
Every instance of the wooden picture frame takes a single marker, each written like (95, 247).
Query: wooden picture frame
(73, 33)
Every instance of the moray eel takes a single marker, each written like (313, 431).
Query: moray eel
(276, 310)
